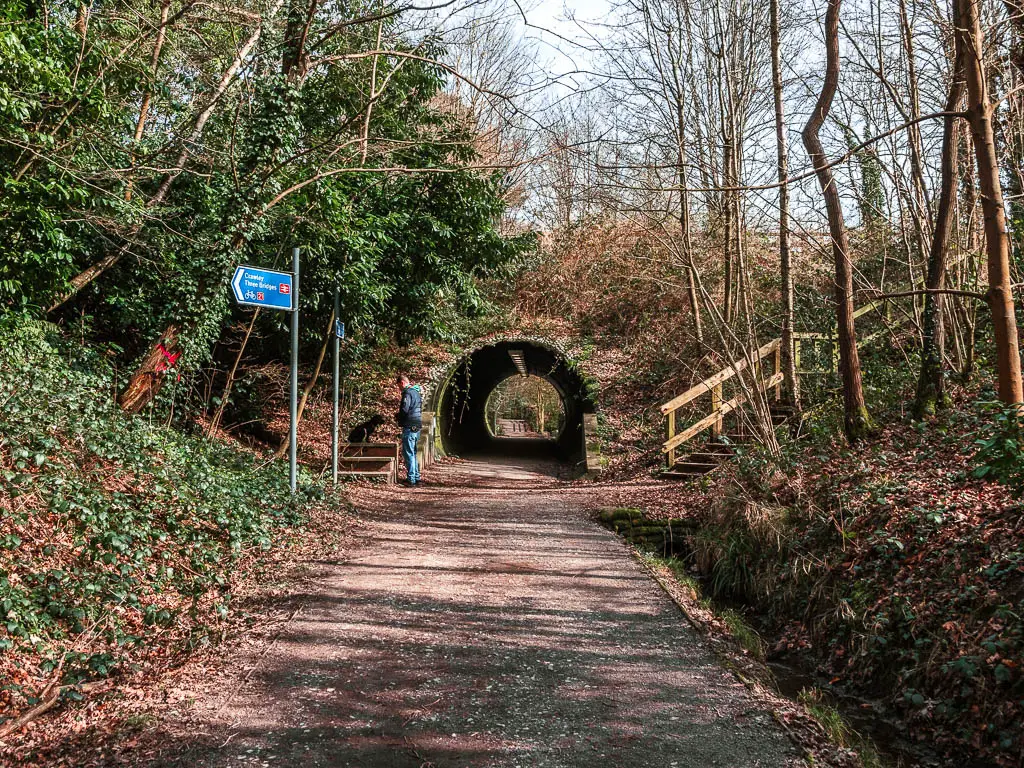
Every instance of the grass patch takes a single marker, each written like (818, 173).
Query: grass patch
(815, 702)
(745, 634)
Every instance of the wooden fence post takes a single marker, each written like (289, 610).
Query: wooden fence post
(716, 403)
(670, 433)
(776, 369)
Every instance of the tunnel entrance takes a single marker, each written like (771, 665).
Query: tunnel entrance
(500, 378)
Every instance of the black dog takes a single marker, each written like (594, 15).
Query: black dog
(363, 433)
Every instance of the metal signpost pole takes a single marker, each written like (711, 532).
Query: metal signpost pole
(334, 413)
(270, 289)
(294, 399)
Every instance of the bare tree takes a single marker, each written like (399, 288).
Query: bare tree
(930, 384)
(997, 240)
(856, 421)
(792, 383)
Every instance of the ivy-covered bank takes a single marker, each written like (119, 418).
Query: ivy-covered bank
(120, 538)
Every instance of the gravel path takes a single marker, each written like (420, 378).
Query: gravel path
(488, 624)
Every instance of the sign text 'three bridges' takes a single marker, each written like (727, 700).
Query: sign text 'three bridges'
(257, 287)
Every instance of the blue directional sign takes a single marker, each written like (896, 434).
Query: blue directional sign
(255, 287)
(339, 329)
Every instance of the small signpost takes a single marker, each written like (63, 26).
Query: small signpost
(270, 289)
(339, 334)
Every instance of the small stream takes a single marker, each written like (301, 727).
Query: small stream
(873, 719)
(870, 718)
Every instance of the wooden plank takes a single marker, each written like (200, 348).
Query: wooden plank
(777, 369)
(704, 423)
(868, 307)
(707, 421)
(723, 375)
(716, 405)
(670, 434)
(859, 312)
(386, 450)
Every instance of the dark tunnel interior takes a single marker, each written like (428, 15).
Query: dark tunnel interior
(460, 401)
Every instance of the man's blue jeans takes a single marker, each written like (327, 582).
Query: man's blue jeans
(409, 439)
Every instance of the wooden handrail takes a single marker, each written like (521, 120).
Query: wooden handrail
(712, 418)
(713, 384)
(832, 333)
(723, 375)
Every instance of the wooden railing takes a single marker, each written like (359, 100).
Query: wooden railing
(713, 386)
(766, 377)
(831, 338)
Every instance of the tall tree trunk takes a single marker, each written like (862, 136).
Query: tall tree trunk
(373, 97)
(791, 385)
(81, 18)
(686, 243)
(727, 295)
(741, 296)
(930, 383)
(997, 240)
(972, 241)
(856, 421)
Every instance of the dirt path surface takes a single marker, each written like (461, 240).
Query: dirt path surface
(487, 623)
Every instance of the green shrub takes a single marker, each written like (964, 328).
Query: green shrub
(113, 529)
(1000, 445)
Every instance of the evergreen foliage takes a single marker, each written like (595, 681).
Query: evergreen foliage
(114, 528)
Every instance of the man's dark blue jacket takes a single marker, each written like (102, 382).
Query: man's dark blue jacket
(410, 414)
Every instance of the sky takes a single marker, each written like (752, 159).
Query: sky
(552, 20)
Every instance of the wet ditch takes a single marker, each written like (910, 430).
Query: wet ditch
(870, 718)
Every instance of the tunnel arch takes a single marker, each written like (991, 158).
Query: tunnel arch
(459, 395)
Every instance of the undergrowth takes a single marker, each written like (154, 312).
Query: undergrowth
(896, 564)
(839, 731)
(739, 629)
(120, 539)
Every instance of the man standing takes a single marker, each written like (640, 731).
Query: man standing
(410, 419)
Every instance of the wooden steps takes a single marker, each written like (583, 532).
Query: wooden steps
(387, 476)
(722, 397)
(699, 463)
(375, 450)
(715, 452)
(365, 463)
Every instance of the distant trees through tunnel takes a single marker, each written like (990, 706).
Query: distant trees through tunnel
(503, 390)
(525, 407)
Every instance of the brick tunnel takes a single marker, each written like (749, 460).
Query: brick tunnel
(459, 399)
